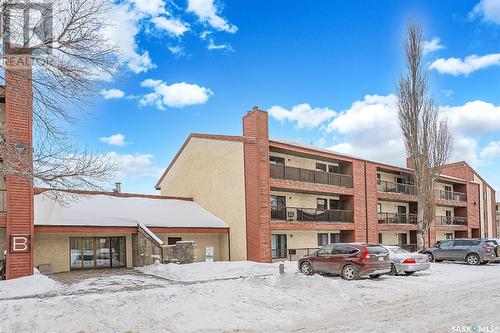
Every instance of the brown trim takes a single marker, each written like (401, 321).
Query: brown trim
(114, 194)
(189, 230)
(198, 136)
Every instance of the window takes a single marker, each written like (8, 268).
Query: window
(97, 252)
(402, 239)
(322, 239)
(334, 168)
(380, 238)
(448, 213)
(341, 249)
(462, 242)
(173, 240)
(475, 242)
(325, 250)
(276, 160)
(485, 196)
(335, 238)
(448, 235)
(379, 207)
(278, 207)
(334, 204)
(320, 167)
(278, 246)
(378, 178)
(321, 203)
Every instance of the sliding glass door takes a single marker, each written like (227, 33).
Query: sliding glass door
(97, 252)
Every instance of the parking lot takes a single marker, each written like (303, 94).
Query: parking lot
(250, 297)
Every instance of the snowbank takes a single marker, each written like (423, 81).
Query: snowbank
(27, 286)
(203, 271)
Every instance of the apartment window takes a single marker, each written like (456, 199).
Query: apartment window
(379, 207)
(448, 213)
(448, 235)
(322, 239)
(335, 238)
(485, 196)
(276, 160)
(380, 238)
(321, 203)
(334, 204)
(173, 240)
(278, 207)
(320, 167)
(378, 179)
(402, 239)
(334, 168)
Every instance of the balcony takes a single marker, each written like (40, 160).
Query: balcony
(309, 176)
(395, 218)
(451, 221)
(390, 187)
(450, 195)
(3, 201)
(311, 215)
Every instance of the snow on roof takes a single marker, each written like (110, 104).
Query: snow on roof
(107, 210)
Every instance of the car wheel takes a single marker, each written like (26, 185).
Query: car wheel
(430, 257)
(409, 273)
(394, 270)
(472, 259)
(350, 272)
(484, 262)
(306, 268)
(374, 276)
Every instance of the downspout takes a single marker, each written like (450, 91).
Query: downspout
(366, 202)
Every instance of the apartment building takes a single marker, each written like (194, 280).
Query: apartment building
(282, 199)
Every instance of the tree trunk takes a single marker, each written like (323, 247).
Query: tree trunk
(420, 226)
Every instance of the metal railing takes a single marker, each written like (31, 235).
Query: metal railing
(309, 176)
(295, 254)
(293, 214)
(279, 253)
(450, 195)
(451, 220)
(396, 218)
(392, 187)
(3, 201)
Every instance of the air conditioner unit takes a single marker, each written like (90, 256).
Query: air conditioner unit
(291, 215)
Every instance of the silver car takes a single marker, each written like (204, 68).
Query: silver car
(473, 251)
(407, 262)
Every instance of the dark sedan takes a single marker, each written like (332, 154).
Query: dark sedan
(349, 260)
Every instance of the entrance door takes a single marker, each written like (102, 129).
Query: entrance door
(278, 207)
(402, 239)
(402, 214)
(278, 246)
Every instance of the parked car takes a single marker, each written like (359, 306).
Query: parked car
(472, 251)
(349, 260)
(496, 241)
(405, 261)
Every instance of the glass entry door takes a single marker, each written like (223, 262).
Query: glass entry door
(97, 252)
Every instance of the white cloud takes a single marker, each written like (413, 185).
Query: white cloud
(177, 50)
(472, 118)
(176, 95)
(464, 149)
(448, 92)
(173, 26)
(112, 93)
(433, 45)
(489, 10)
(491, 150)
(114, 140)
(149, 7)
(468, 65)
(303, 114)
(134, 165)
(206, 11)
(121, 32)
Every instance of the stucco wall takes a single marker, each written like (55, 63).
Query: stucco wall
(441, 186)
(441, 211)
(391, 237)
(302, 200)
(212, 173)
(202, 241)
(297, 239)
(387, 176)
(392, 207)
(53, 249)
(300, 162)
(440, 235)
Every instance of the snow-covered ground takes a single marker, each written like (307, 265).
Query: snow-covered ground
(250, 297)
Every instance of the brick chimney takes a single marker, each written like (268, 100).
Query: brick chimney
(18, 125)
(256, 159)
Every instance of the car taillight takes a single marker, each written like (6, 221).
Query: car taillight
(487, 248)
(409, 261)
(365, 255)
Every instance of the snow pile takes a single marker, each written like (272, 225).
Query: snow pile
(203, 271)
(27, 286)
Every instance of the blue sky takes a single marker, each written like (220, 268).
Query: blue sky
(324, 69)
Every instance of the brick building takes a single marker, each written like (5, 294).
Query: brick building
(281, 199)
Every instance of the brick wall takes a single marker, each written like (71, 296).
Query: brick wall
(18, 122)
(258, 214)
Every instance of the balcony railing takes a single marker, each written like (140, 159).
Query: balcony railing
(3, 201)
(395, 218)
(450, 195)
(309, 176)
(292, 214)
(392, 187)
(451, 220)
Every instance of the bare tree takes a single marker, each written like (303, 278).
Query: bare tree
(427, 137)
(70, 55)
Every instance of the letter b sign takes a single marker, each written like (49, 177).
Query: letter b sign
(19, 243)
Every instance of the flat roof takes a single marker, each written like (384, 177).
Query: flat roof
(114, 211)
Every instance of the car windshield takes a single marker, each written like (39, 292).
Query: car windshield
(397, 249)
